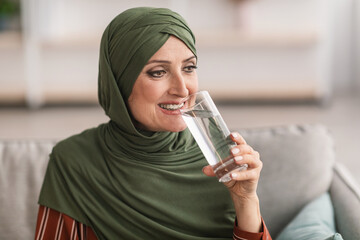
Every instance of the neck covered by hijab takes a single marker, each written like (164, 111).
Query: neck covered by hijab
(126, 183)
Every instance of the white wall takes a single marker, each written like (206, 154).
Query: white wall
(280, 69)
(346, 71)
(343, 43)
(67, 32)
(83, 17)
(357, 46)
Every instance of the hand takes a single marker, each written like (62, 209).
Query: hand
(244, 182)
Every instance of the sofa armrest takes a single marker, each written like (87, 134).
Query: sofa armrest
(345, 195)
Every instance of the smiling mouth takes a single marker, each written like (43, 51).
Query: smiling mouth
(171, 107)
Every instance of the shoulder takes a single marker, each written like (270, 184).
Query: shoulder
(85, 138)
(77, 149)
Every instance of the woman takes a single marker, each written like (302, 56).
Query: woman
(139, 176)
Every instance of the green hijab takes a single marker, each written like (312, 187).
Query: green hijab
(129, 184)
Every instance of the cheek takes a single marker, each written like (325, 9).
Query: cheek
(142, 103)
(192, 85)
(152, 91)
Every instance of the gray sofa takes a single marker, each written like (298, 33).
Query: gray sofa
(299, 165)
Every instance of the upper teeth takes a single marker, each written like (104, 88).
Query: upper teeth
(172, 106)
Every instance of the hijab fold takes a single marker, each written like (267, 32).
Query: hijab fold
(130, 184)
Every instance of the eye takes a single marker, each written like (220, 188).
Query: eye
(190, 69)
(156, 74)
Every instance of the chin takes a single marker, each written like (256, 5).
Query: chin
(179, 128)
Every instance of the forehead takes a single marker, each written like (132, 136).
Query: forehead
(173, 48)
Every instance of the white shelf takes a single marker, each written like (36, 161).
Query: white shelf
(77, 95)
(265, 93)
(216, 38)
(78, 42)
(10, 40)
(12, 94)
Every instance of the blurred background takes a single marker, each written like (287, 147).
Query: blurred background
(265, 62)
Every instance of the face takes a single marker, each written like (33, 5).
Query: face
(167, 78)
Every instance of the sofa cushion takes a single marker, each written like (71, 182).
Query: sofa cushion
(298, 162)
(315, 221)
(22, 169)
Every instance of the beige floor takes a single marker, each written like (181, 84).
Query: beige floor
(341, 116)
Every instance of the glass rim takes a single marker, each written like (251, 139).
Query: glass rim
(196, 104)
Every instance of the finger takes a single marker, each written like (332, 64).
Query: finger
(236, 137)
(251, 174)
(242, 149)
(251, 160)
(208, 171)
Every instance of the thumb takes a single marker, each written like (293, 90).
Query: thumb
(208, 171)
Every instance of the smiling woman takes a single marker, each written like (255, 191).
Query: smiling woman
(142, 175)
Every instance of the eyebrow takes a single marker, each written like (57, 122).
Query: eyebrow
(165, 61)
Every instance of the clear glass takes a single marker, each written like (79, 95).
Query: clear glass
(211, 134)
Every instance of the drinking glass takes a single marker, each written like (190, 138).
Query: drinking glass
(211, 134)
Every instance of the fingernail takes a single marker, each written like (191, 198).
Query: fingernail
(238, 158)
(234, 175)
(234, 135)
(235, 151)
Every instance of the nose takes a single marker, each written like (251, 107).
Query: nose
(178, 86)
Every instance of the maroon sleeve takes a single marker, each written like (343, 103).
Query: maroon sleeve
(52, 224)
(239, 234)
